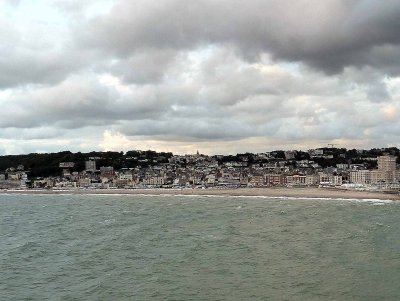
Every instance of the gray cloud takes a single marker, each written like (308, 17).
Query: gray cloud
(77, 102)
(37, 52)
(146, 66)
(219, 98)
(27, 67)
(202, 72)
(327, 35)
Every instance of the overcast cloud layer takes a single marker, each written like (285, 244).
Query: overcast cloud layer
(221, 76)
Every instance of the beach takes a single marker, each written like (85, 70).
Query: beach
(293, 192)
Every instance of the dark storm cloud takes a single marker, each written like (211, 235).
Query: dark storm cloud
(328, 35)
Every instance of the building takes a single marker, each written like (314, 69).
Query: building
(386, 170)
(66, 164)
(360, 177)
(274, 179)
(90, 166)
(155, 180)
(337, 180)
(311, 180)
(84, 182)
(387, 163)
(211, 179)
(342, 166)
(290, 155)
(256, 181)
(106, 171)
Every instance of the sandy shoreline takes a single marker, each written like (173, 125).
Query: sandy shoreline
(307, 192)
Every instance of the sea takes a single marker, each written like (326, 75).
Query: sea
(144, 247)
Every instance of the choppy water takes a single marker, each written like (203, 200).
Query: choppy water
(197, 248)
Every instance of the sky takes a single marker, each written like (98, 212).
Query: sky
(218, 76)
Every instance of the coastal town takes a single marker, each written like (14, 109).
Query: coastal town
(324, 167)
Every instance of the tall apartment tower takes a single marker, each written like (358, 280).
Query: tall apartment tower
(387, 163)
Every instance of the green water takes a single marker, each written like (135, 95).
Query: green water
(197, 248)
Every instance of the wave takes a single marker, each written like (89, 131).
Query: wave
(357, 200)
(374, 201)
